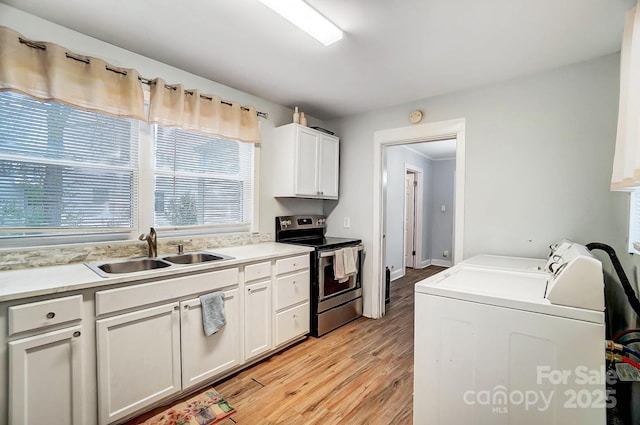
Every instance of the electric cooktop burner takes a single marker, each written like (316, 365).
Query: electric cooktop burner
(322, 242)
(309, 230)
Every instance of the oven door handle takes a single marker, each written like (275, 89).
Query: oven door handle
(332, 253)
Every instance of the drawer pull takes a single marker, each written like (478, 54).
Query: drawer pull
(176, 307)
(51, 315)
(76, 334)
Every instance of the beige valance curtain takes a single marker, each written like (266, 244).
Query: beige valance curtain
(173, 106)
(626, 162)
(47, 71)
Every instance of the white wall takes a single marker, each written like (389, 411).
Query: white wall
(38, 29)
(539, 151)
(398, 157)
(442, 193)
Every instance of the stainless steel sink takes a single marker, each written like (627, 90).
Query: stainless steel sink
(110, 268)
(194, 257)
(127, 266)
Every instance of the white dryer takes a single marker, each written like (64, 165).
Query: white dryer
(498, 345)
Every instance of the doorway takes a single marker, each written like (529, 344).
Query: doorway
(452, 129)
(410, 192)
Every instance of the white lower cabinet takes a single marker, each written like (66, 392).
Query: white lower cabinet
(150, 344)
(46, 378)
(292, 323)
(291, 299)
(257, 319)
(138, 360)
(204, 357)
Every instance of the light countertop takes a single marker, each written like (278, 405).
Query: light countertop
(23, 283)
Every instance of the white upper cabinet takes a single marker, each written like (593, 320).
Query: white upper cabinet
(306, 163)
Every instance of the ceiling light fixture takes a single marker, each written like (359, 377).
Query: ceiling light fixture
(307, 19)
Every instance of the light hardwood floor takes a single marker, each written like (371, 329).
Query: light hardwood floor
(361, 373)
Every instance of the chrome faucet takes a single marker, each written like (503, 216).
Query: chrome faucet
(152, 240)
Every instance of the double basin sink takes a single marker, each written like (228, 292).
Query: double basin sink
(110, 268)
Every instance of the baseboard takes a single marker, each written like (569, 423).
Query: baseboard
(441, 263)
(424, 263)
(397, 274)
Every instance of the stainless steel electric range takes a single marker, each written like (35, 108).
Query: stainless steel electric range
(334, 302)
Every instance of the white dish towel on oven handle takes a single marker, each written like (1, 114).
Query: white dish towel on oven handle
(345, 263)
(350, 260)
(338, 266)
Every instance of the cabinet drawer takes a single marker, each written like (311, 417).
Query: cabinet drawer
(292, 264)
(257, 271)
(292, 289)
(292, 323)
(148, 293)
(44, 313)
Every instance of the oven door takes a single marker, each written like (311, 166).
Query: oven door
(328, 285)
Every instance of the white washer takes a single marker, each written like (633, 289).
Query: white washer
(499, 346)
(519, 263)
(507, 263)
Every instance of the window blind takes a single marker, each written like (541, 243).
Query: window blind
(64, 170)
(202, 180)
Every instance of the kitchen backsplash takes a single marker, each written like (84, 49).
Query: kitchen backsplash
(12, 258)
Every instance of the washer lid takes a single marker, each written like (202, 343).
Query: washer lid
(507, 263)
(492, 282)
(504, 288)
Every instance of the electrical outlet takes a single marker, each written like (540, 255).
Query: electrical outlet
(445, 254)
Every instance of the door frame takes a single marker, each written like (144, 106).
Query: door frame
(418, 214)
(405, 135)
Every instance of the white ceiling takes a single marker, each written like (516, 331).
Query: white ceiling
(394, 51)
(436, 150)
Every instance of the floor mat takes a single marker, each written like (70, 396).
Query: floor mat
(207, 407)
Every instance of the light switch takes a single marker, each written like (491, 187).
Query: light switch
(443, 208)
(347, 222)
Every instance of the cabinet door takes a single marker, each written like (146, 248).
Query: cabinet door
(257, 319)
(204, 357)
(306, 178)
(138, 360)
(45, 379)
(329, 166)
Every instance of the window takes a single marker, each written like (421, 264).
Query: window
(65, 170)
(202, 181)
(73, 175)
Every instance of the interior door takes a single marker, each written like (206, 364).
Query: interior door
(410, 219)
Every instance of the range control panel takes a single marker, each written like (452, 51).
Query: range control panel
(292, 222)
